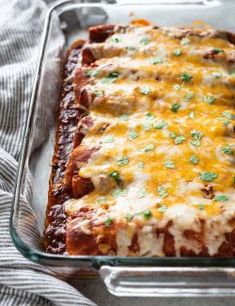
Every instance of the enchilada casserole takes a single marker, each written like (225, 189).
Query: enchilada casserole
(145, 145)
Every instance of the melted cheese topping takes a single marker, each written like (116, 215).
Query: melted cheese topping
(170, 135)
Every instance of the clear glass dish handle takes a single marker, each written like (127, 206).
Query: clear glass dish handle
(169, 281)
(165, 2)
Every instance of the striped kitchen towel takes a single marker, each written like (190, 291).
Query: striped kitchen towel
(21, 282)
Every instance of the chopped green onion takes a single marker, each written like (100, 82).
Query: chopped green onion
(177, 52)
(185, 77)
(150, 147)
(201, 206)
(147, 214)
(169, 164)
(177, 87)
(217, 75)
(130, 48)
(159, 125)
(191, 115)
(209, 99)
(194, 160)
(208, 176)
(185, 41)
(101, 200)
(91, 73)
(221, 198)
(115, 176)
(228, 150)
(145, 41)
(179, 139)
(145, 90)
(141, 193)
(188, 96)
(172, 135)
(162, 208)
(148, 126)
(175, 107)
(132, 135)
(124, 117)
(157, 60)
(99, 93)
(115, 39)
(196, 136)
(108, 222)
(217, 51)
(123, 161)
(118, 192)
(228, 115)
(149, 116)
(129, 217)
(140, 165)
(162, 191)
(108, 139)
(111, 77)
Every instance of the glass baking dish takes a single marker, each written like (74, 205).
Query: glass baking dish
(123, 276)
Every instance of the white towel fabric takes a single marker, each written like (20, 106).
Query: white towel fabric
(21, 282)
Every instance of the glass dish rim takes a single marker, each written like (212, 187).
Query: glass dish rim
(96, 261)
